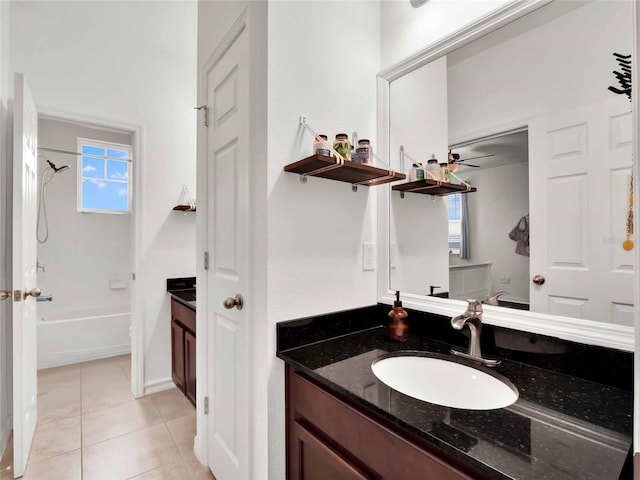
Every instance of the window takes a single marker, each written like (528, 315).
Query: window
(104, 177)
(455, 216)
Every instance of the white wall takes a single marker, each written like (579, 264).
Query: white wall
(316, 230)
(501, 200)
(406, 30)
(573, 53)
(83, 255)
(5, 270)
(133, 64)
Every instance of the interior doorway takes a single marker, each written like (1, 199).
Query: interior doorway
(89, 257)
(84, 246)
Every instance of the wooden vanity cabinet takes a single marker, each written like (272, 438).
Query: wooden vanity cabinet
(183, 349)
(328, 437)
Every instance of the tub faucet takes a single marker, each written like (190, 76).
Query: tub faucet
(472, 317)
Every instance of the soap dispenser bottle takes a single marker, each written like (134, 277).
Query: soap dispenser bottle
(398, 327)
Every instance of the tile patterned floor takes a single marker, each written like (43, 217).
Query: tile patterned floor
(91, 428)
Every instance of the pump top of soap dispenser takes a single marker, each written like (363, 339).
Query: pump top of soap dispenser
(398, 302)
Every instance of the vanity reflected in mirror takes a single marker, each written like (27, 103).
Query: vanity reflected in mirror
(527, 112)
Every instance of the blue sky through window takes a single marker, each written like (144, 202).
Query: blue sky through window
(105, 181)
(92, 167)
(101, 195)
(117, 170)
(91, 150)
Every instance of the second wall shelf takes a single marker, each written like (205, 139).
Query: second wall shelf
(432, 187)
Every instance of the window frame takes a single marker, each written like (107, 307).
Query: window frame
(82, 142)
(458, 222)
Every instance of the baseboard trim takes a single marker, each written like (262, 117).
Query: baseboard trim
(158, 386)
(70, 358)
(197, 449)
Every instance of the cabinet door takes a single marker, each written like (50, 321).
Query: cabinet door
(312, 459)
(177, 354)
(190, 366)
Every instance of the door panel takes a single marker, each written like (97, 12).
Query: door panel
(225, 164)
(228, 233)
(25, 167)
(317, 461)
(190, 366)
(580, 166)
(177, 354)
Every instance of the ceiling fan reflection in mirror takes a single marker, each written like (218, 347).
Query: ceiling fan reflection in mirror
(455, 161)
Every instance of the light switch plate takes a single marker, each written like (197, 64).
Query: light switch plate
(368, 256)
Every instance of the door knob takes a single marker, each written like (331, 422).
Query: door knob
(34, 292)
(237, 302)
(538, 279)
(5, 294)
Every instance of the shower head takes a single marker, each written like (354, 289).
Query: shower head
(55, 169)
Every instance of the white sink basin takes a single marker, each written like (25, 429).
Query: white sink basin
(436, 379)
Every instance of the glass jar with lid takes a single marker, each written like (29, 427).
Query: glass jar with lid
(364, 152)
(433, 169)
(321, 147)
(342, 145)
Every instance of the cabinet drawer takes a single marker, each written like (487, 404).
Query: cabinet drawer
(184, 315)
(372, 443)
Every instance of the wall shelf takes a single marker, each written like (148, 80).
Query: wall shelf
(350, 172)
(184, 208)
(432, 187)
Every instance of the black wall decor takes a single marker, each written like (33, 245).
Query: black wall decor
(623, 76)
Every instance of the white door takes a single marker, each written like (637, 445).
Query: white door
(25, 168)
(228, 230)
(580, 167)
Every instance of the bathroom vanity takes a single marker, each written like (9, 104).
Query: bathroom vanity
(183, 335)
(573, 419)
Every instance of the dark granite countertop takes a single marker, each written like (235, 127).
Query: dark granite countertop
(183, 290)
(562, 427)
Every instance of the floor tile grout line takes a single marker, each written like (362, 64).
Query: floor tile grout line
(124, 434)
(184, 460)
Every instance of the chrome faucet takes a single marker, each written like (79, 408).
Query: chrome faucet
(472, 317)
(493, 298)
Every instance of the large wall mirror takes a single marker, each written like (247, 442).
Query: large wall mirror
(527, 112)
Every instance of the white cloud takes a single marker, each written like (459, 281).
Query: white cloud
(101, 185)
(89, 168)
(123, 192)
(120, 175)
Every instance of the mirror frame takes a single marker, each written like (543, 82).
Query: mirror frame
(567, 328)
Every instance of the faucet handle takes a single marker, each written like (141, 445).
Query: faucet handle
(474, 306)
(492, 298)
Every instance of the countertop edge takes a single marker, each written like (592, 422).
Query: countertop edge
(191, 305)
